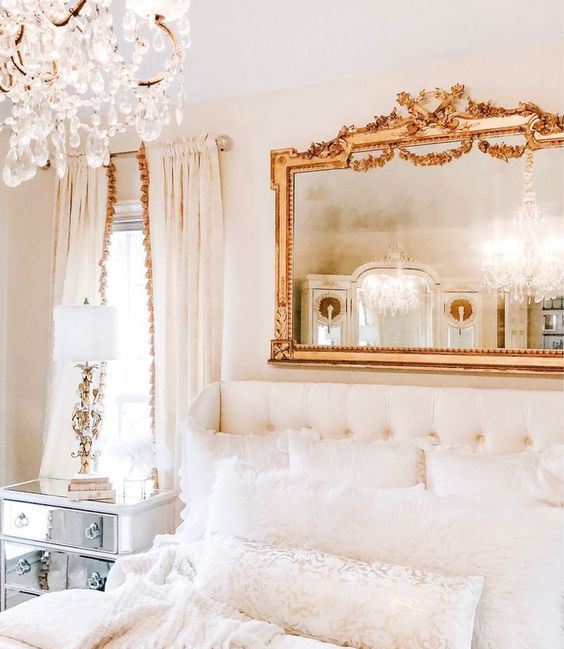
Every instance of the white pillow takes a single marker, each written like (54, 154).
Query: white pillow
(517, 550)
(203, 450)
(356, 464)
(525, 478)
(371, 605)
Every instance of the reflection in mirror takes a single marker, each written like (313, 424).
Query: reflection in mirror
(462, 256)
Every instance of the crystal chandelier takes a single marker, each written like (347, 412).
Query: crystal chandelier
(525, 267)
(70, 82)
(391, 294)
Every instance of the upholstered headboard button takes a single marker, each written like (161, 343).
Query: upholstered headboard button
(492, 421)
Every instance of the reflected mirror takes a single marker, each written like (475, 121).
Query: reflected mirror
(408, 256)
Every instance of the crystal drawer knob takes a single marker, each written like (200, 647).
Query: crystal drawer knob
(92, 532)
(23, 567)
(21, 521)
(96, 581)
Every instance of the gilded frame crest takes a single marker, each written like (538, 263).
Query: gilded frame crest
(430, 117)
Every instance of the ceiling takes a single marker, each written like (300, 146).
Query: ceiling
(250, 46)
(245, 47)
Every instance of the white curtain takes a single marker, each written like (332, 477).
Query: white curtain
(80, 218)
(186, 229)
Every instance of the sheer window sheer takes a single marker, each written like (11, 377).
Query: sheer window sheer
(126, 395)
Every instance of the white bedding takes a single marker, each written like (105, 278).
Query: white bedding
(150, 603)
(278, 642)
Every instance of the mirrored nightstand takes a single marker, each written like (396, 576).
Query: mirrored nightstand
(50, 543)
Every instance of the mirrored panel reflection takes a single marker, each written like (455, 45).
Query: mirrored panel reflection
(465, 256)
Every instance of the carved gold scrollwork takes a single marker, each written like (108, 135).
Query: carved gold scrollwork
(422, 117)
(280, 350)
(437, 158)
(548, 123)
(281, 322)
(362, 165)
(385, 122)
(334, 147)
(446, 116)
(502, 151)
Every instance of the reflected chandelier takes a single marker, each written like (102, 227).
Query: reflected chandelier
(525, 267)
(391, 294)
(69, 80)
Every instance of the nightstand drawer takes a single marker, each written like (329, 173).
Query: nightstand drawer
(15, 597)
(86, 572)
(71, 527)
(34, 569)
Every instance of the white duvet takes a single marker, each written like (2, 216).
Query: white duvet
(150, 603)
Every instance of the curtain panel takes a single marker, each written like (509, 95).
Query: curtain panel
(82, 224)
(186, 237)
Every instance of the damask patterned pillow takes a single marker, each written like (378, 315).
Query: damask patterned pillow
(333, 599)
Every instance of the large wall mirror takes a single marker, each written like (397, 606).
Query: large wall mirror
(431, 238)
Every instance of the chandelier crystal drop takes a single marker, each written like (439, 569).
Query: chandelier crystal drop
(71, 82)
(525, 267)
(391, 294)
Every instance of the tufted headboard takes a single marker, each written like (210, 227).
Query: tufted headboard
(498, 421)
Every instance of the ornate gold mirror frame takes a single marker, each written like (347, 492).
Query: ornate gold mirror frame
(434, 117)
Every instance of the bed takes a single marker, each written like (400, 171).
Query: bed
(304, 498)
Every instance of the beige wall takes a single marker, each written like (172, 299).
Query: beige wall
(295, 117)
(25, 247)
(257, 124)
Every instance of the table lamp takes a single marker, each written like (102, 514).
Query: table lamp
(86, 334)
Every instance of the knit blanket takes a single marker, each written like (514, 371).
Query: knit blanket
(150, 603)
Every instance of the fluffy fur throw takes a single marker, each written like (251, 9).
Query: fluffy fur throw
(151, 604)
(517, 550)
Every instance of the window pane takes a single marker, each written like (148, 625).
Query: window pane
(126, 400)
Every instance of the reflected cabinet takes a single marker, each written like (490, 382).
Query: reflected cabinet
(430, 238)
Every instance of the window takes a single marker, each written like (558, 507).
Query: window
(126, 395)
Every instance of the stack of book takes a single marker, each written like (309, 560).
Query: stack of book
(90, 487)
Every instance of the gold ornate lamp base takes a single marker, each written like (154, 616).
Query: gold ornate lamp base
(86, 416)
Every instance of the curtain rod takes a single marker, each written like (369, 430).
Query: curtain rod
(224, 143)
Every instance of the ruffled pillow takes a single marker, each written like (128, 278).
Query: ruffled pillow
(203, 451)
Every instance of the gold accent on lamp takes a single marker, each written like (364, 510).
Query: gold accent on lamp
(88, 334)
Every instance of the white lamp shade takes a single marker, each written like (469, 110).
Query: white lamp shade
(86, 333)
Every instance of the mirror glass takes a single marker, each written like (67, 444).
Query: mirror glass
(414, 256)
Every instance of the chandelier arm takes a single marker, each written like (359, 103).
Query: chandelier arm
(20, 67)
(20, 35)
(18, 62)
(72, 13)
(9, 80)
(17, 41)
(153, 81)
